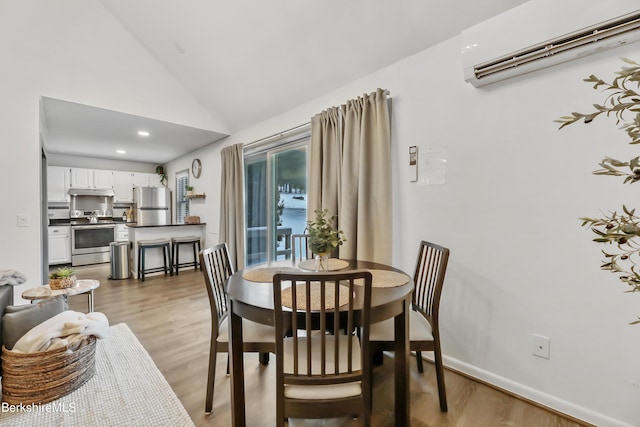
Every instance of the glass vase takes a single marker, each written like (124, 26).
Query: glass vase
(322, 262)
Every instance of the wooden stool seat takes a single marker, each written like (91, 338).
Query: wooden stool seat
(194, 241)
(163, 244)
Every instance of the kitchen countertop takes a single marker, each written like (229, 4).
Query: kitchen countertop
(134, 225)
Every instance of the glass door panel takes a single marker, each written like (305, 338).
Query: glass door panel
(276, 202)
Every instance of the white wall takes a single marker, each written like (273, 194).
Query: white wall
(516, 186)
(73, 50)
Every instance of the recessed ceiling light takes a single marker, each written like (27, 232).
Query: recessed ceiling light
(143, 133)
(121, 152)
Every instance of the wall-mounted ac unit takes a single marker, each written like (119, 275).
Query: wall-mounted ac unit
(542, 33)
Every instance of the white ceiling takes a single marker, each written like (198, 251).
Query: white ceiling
(249, 60)
(82, 130)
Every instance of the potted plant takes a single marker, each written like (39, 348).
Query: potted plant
(323, 238)
(618, 230)
(189, 189)
(62, 278)
(163, 175)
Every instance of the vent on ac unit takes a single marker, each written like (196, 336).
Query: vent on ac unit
(542, 33)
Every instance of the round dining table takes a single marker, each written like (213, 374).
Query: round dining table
(253, 300)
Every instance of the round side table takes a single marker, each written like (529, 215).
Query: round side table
(82, 286)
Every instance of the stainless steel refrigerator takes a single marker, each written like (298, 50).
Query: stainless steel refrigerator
(152, 205)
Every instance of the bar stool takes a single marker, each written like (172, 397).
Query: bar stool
(163, 244)
(194, 241)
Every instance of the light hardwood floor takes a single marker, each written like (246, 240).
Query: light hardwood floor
(170, 315)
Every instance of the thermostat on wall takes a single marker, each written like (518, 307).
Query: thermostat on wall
(413, 163)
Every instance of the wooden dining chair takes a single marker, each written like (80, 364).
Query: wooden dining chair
(322, 366)
(300, 247)
(424, 332)
(256, 337)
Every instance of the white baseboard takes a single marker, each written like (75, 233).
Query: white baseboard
(537, 396)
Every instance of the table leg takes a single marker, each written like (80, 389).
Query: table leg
(402, 353)
(236, 360)
(91, 301)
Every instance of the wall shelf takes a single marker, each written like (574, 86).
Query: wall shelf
(196, 196)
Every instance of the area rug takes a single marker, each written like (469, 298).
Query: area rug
(127, 390)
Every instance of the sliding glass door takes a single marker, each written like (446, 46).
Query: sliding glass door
(276, 200)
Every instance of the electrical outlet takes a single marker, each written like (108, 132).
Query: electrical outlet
(541, 346)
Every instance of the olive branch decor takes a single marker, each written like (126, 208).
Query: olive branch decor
(621, 230)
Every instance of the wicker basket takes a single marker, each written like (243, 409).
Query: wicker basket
(62, 283)
(45, 376)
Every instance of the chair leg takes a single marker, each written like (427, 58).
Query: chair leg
(419, 361)
(195, 256)
(167, 251)
(173, 257)
(442, 393)
(263, 358)
(142, 265)
(208, 403)
(176, 258)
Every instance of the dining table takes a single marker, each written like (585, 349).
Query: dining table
(250, 296)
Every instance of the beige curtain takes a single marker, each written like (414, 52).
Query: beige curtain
(231, 204)
(350, 174)
(325, 160)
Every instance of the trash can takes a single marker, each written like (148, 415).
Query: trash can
(119, 260)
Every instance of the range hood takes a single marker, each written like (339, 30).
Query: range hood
(108, 192)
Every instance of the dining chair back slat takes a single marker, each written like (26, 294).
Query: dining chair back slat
(300, 250)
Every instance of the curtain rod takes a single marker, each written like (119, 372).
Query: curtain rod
(276, 134)
(249, 144)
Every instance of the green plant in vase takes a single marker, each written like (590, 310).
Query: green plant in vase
(620, 230)
(323, 237)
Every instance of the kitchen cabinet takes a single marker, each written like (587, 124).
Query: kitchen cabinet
(59, 244)
(122, 233)
(58, 183)
(142, 179)
(102, 178)
(91, 178)
(81, 178)
(123, 183)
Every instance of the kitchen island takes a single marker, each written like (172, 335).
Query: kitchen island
(153, 258)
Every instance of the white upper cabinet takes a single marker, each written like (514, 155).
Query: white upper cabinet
(123, 183)
(81, 178)
(102, 179)
(91, 178)
(142, 179)
(58, 184)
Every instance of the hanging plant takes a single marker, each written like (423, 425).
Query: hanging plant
(619, 230)
(163, 176)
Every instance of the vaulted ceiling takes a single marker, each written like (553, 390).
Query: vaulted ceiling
(248, 60)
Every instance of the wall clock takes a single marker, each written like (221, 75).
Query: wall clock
(196, 168)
